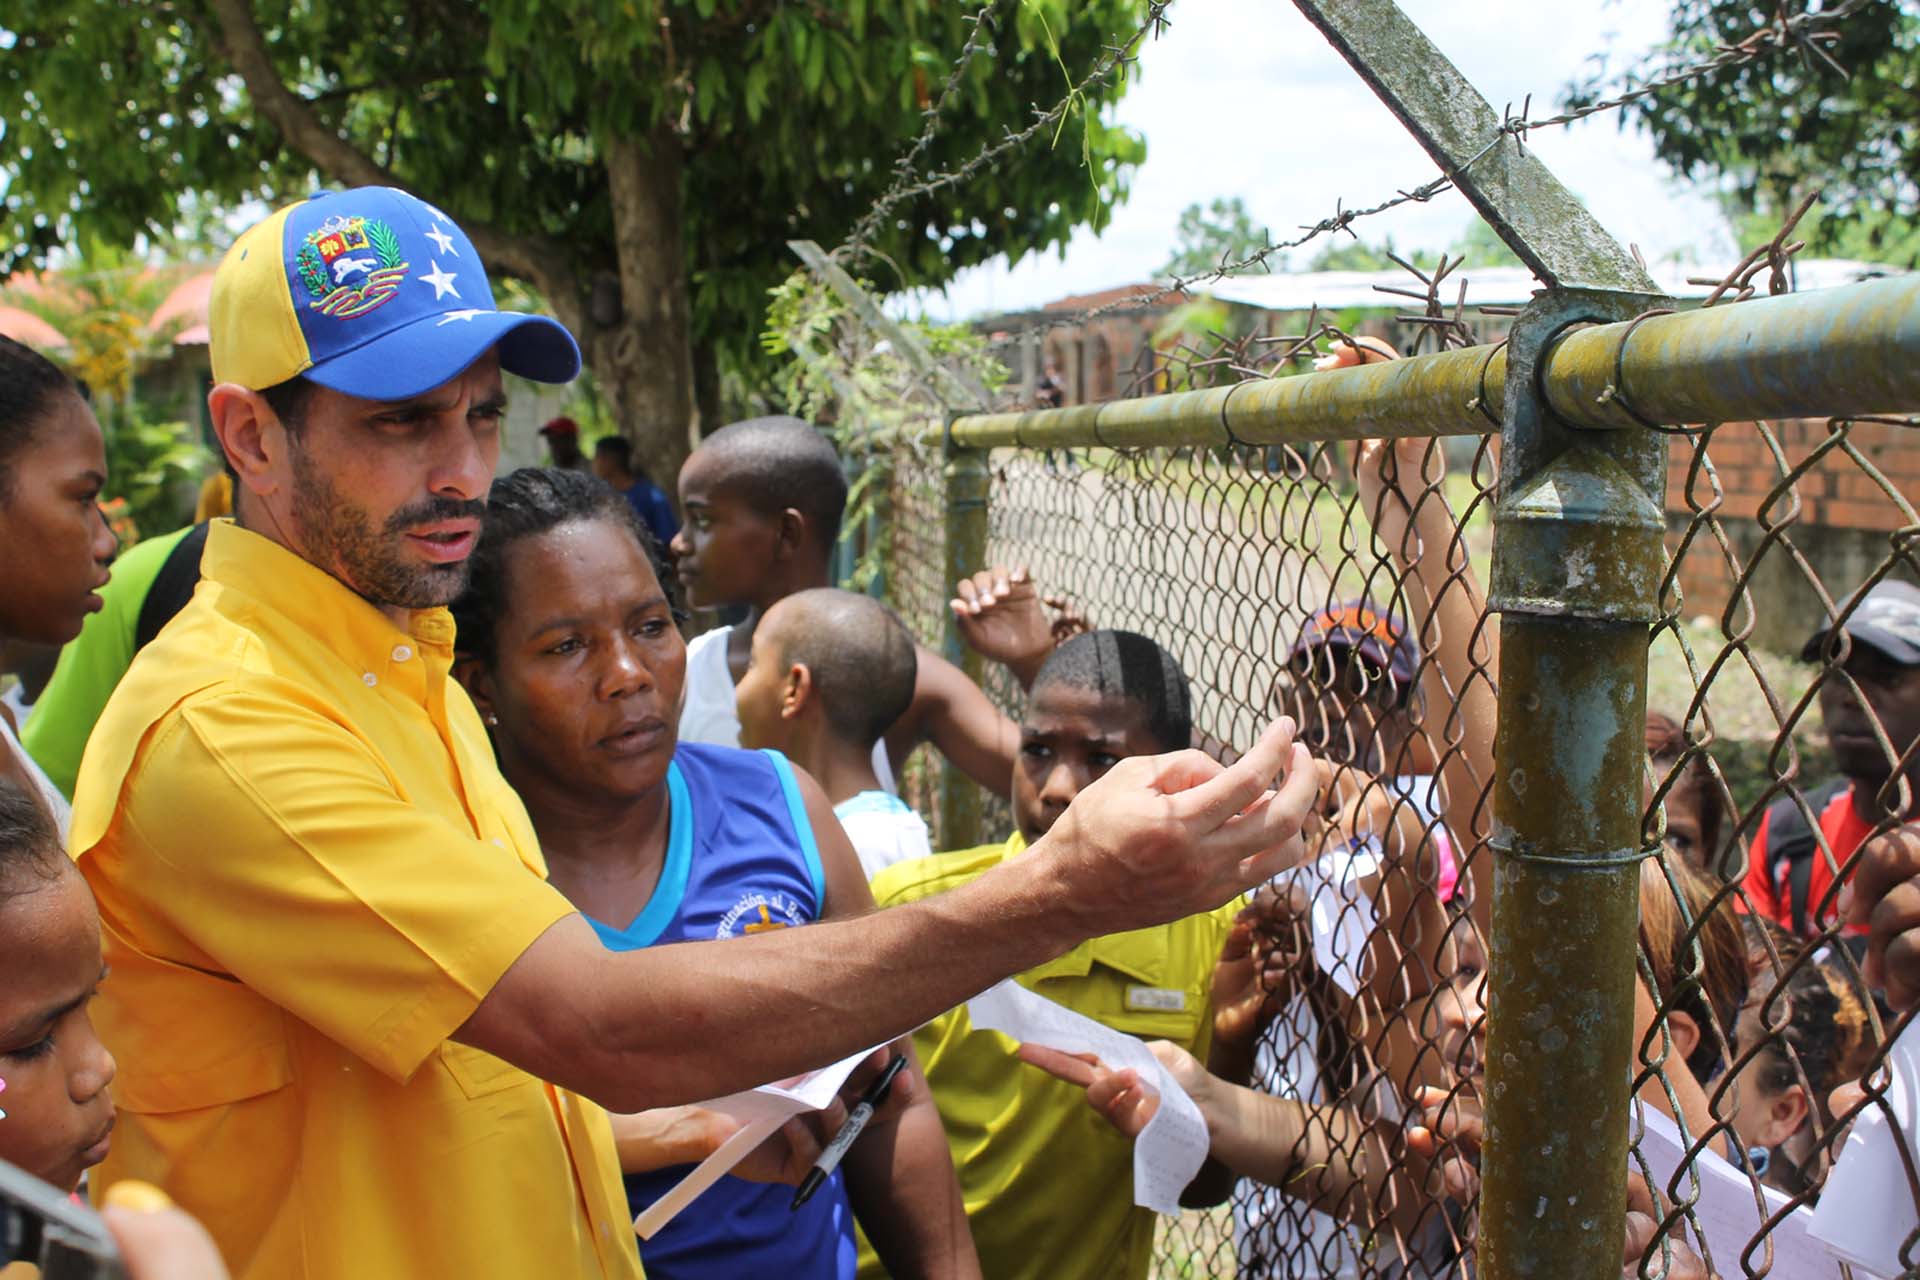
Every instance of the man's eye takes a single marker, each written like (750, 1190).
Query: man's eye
(1034, 751)
(570, 645)
(1103, 760)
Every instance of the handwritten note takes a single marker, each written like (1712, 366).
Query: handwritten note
(1866, 1210)
(1173, 1146)
(760, 1112)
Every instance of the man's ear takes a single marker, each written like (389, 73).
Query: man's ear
(797, 691)
(250, 435)
(478, 682)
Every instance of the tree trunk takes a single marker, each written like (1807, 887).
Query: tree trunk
(706, 387)
(643, 359)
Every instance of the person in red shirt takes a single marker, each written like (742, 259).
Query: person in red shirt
(1790, 879)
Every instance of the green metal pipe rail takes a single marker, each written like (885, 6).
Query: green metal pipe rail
(1832, 353)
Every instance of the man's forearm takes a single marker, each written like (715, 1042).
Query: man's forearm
(699, 1020)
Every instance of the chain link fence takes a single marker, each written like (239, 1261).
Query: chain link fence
(1236, 557)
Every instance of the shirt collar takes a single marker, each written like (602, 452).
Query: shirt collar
(315, 601)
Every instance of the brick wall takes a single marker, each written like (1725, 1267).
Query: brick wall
(1844, 527)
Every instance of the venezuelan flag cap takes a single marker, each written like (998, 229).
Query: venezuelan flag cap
(371, 292)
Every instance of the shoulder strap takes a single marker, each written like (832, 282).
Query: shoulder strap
(1791, 845)
(172, 587)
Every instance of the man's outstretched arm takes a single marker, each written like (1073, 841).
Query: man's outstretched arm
(1156, 839)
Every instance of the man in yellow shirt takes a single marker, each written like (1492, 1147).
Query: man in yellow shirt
(357, 1031)
(1048, 1184)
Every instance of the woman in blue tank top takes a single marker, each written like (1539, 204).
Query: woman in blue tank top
(569, 648)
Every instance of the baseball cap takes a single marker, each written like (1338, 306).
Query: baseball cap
(1366, 629)
(561, 426)
(371, 292)
(1887, 618)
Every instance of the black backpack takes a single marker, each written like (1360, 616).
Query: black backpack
(1792, 846)
(172, 587)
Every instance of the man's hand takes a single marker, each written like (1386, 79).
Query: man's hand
(999, 614)
(1884, 895)
(1267, 957)
(1159, 838)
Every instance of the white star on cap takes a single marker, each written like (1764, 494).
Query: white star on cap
(442, 239)
(442, 281)
(467, 313)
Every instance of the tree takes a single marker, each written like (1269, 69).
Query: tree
(641, 163)
(1790, 122)
(1220, 234)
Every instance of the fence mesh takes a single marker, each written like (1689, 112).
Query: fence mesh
(1227, 557)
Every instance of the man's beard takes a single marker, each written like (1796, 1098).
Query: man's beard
(340, 537)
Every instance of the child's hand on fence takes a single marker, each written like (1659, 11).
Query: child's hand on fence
(1348, 352)
(1884, 895)
(1449, 1133)
(1267, 957)
(999, 614)
(1642, 1226)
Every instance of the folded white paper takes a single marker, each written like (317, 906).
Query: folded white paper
(1340, 916)
(760, 1112)
(1725, 1209)
(1866, 1212)
(1173, 1146)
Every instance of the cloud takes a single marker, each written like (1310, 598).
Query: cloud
(1249, 100)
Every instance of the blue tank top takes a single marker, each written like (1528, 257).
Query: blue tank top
(740, 859)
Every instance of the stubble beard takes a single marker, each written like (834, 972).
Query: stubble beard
(341, 537)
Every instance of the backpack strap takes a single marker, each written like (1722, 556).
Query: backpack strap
(1791, 846)
(172, 587)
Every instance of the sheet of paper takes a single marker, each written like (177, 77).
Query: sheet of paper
(1866, 1210)
(1339, 916)
(1173, 1146)
(1725, 1209)
(760, 1111)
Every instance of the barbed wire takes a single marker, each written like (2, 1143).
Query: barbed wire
(1808, 30)
(1113, 59)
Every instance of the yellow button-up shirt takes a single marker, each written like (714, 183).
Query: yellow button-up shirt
(309, 874)
(1048, 1184)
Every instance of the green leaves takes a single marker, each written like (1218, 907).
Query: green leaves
(124, 121)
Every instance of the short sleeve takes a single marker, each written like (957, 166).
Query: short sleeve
(274, 840)
(1757, 885)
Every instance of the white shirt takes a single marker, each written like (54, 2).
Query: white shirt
(49, 794)
(707, 710)
(883, 830)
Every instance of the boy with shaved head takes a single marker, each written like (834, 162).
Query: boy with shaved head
(828, 673)
(763, 501)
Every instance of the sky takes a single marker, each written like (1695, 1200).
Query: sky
(1245, 98)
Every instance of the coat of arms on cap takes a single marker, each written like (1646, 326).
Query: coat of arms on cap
(350, 266)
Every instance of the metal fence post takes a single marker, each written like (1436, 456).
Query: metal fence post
(967, 482)
(1577, 566)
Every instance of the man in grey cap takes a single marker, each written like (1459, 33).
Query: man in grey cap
(1870, 704)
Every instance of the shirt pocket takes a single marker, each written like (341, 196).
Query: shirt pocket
(1149, 988)
(478, 1073)
(248, 1073)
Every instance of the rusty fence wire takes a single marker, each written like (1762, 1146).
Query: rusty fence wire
(1759, 1046)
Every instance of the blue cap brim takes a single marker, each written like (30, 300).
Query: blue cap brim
(432, 351)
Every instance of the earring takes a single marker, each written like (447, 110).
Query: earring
(493, 719)
(1759, 1158)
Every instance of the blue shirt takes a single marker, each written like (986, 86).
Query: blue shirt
(740, 859)
(652, 505)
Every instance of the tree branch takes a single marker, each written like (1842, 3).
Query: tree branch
(530, 257)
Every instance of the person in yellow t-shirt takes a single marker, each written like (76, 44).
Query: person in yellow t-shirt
(358, 1033)
(1048, 1185)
